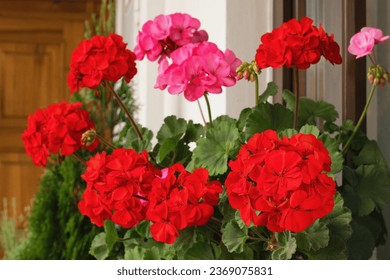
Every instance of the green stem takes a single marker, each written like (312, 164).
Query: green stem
(296, 91)
(362, 116)
(79, 158)
(123, 107)
(201, 112)
(208, 109)
(104, 141)
(257, 90)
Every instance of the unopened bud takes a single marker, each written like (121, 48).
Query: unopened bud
(246, 74)
(370, 78)
(376, 81)
(88, 137)
(256, 68)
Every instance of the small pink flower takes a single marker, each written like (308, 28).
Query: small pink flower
(361, 44)
(376, 33)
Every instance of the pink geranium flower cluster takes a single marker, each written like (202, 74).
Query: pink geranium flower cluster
(196, 69)
(187, 62)
(363, 42)
(165, 33)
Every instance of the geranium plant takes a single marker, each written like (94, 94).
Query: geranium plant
(259, 187)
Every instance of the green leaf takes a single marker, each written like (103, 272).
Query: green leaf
(313, 238)
(168, 136)
(133, 141)
(111, 234)
(338, 221)
(193, 132)
(152, 254)
(239, 221)
(310, 110)
(172, 128)
(243, 117)
(143, 229)
(99, 247)
(362, 242)
(185, 241)
(247, 254)
(288, 246)
(271, 90)
(200, 251)
(135, 253)
(373, 188)
(289, 98)
(310, 129)
(287, 132)
(234, 237)
(334, 152)
(336, 250)
(371, 155)
(220, 144)
(267, 116)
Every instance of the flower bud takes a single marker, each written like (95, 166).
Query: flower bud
(377, 75)
(248, 71)
(88, 137)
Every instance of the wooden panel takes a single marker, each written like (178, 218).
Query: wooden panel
(17, 171)
(37, 38)
(354, 70)
(38, 70)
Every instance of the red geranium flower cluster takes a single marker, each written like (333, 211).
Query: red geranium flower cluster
(125, 187)
(181, 199)
(297, 44)
(165, 33)
(281, 183)
(100, 58)
(117, 187)
(56, 129)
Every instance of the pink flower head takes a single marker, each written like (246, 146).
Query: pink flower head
(165, 33)
(376, 33)
(196, 69)
(363, 42)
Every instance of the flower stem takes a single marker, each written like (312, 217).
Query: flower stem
(296, 91)
(362, 116)
(201, 112)
(257, 89)
(79, 158)
(123, 107)
(208, 109)
(104, 141)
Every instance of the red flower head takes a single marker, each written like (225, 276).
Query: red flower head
(296, 44)
(100, 58)
(120, 184)
(281, 184)
(56, 129)
(181, 199)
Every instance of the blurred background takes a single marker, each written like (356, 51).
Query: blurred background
(37, 38)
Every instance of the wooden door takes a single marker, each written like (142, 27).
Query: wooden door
(37, 38)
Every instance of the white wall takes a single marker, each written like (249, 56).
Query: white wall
(232, 24)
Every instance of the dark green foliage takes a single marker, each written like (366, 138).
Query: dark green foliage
(57, 230)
